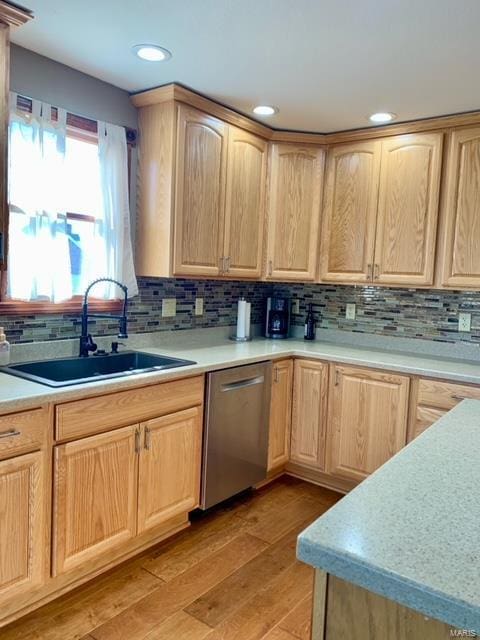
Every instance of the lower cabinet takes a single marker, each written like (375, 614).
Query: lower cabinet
(280, 414)
(310, 393)
(368, 418)
(95, 493)
(110, 487)
(169, 471)
(23, 520)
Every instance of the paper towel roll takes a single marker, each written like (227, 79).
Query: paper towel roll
(248, 313)
(241, 318)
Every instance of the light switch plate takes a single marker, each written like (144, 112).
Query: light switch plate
(464, 322)
(169, 307)
(199, 306)
(296, 307)
(350, 311)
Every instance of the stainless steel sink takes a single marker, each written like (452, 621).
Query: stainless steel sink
(69, 371)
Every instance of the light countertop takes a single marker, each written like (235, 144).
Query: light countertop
(213, 352)
(411, 531)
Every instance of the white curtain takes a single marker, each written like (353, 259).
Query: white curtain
(112, 152)
(39, 260)
(41, 263)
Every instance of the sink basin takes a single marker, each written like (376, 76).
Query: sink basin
(68, 371)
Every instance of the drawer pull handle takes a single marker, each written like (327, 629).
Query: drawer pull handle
(147, 438)
(10, 433)
(455, 397)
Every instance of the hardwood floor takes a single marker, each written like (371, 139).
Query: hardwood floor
(232, 575)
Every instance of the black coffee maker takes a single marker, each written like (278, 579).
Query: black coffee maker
(277, 318)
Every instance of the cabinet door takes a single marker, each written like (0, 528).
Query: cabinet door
(244, 204)
(295, 175)
(408, 209)
(350, 212)
(280, 414)
(199, 193)
(22, 524)
(367, 420)
(95, 496)
(169, 473)
(310, 389)
(461, 210)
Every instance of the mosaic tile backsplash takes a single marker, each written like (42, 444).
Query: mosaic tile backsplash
(409, 313)
(145, 310)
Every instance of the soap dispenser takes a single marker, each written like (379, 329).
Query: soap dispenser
(4, 349)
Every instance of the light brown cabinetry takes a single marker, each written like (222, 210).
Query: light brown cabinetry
(95, 487)
(408, 209)
(125, 479)
(244, 204)
(432, 399)
(169, 472)
(350, 212)
(25, 477)
(310, 393)
(293, 217)
(367, 420)
(381, 209)
(23, 548)
(280, 414)
(461, 205)
(199, 192)
(201, 195)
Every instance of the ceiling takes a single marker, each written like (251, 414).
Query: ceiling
(326, 64)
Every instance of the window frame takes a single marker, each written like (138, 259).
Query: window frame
(86, 130)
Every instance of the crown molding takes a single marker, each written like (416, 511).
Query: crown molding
(179, 93)
(13, 14)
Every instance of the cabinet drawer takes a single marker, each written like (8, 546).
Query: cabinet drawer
(444, 395)
(23, 432)
(94, 415)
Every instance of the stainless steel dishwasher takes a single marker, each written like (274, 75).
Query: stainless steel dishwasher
(235, 446)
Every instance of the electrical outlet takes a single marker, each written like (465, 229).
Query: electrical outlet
(350, 311)
(199, 306)
(169, 307)
(296, 307)
(464, 322)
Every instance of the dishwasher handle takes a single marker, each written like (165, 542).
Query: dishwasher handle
(241, 384)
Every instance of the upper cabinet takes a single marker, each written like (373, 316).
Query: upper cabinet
(244, 203)
(293, 218)
(461, 208)
(380, 212)
(408, 209)
(201, 195)
(350, 212)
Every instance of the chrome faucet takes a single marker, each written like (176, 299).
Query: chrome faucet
(86, 341)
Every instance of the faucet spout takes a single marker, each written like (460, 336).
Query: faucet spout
(86, 342)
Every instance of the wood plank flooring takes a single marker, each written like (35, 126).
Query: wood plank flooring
(232, 575)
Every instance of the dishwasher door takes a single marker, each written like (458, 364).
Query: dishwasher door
(235, 447)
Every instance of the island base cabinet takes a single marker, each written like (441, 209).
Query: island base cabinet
(22, 525)
(95, 492)
(169, 472)
(368, 414)
(342, 610)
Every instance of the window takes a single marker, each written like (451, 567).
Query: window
(68, 209)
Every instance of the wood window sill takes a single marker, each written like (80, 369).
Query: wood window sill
(19, 308)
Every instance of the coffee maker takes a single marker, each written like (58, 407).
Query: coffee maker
(277, 318)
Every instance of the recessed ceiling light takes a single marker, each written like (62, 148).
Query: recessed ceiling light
(151, 52)
(265, 110)
(382, 117)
